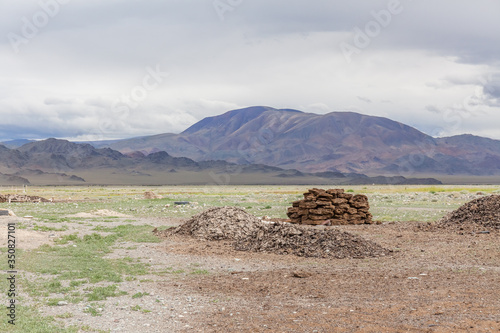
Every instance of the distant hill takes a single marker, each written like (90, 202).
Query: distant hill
(12, 144)
(52, 162)
(345, 142)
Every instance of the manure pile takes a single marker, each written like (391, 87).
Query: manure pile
(220, 223)
(481, 213)
(248, 233)
(283, 238)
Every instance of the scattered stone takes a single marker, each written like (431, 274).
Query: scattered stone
(300, 274)
(61, 303)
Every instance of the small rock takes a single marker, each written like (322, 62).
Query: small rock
(300, 274)
(61, 303)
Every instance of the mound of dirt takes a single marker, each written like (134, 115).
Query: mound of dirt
(219, 223)
(99, 213)
(151, 195)
(248, 233)
(482, 213)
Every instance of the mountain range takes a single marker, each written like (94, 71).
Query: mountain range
(338, 141)
(258, 145)
(60, 162)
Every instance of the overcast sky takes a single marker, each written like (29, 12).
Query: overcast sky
(88, 69)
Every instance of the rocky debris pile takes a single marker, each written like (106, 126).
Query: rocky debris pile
(481, 213)
(330, 207)
(21, 198)
(151, 195)
(248, 233)
(303, 241)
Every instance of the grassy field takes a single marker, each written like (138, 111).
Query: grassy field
(75, 269)
(388, 203)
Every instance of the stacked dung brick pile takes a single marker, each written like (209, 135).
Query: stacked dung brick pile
(21, 198)
(330, 207)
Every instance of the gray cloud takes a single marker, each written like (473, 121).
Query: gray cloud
(491, 87)
(73, 73)
(364, 99)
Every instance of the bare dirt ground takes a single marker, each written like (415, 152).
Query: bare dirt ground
(434, 281)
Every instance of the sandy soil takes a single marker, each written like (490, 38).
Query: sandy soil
(25, 239)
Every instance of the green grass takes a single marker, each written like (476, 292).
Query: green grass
(200, 272)
(79, 263)
(28, 319)
(139, 295)
(132, 233)
(139, 308)
(65, 315)
(101, 293)
(93, 309)
(45, 228)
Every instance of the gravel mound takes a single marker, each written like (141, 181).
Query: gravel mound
(248, 233)
(481, 213)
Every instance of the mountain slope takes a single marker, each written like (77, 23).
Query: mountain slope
(337, 141)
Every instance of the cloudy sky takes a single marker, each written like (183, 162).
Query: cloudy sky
(88, 69)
